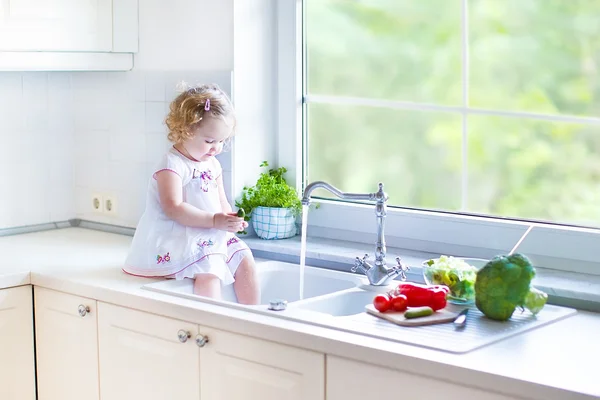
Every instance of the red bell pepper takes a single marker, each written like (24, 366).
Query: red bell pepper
(423, 295)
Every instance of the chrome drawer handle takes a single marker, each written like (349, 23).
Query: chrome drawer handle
(83, 310)
(201, 340)
(183, 335)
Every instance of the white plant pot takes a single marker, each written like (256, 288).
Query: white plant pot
(273, 223)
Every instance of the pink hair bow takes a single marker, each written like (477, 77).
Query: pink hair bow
(207, 105)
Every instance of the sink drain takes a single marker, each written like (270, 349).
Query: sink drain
(278, 305)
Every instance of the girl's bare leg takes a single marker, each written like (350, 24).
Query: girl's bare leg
(207, 285)
(246, 285)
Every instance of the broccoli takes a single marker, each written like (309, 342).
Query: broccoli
(503, 284)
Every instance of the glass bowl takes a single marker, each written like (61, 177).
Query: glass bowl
(458, 273)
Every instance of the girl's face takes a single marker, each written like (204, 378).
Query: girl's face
(208, 138)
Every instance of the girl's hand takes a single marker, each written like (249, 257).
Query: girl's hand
(229, 222)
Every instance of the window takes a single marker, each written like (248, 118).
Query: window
(479, 117)
(476, 106)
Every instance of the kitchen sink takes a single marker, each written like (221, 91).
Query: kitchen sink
(340, 304)
(278, 280)
(337, 300)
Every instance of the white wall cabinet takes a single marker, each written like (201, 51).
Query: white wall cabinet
(55, 25)
(153, 357)
(66, 346)
(17, 364)
(68, 34)
(352, 380)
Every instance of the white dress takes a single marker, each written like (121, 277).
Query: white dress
(162, 247)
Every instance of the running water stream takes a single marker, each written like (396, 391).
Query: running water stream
(303, 248)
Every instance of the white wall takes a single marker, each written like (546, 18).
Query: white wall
(36, 149)
(186, 40)
(66, 136)
(120, 135)
(254, 91)
(186, 35)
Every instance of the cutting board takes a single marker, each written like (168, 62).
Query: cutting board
(397, 317)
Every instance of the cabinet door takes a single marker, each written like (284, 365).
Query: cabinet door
(146, 356)
(66, 346)
(352, 380)
(57, 25)
(17, 365)
(237, 367)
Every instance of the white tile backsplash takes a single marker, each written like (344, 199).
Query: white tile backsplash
(127, 87)
(156, 146)
(36, 157)
(128, 148)
(65, 136)
(127, 178)
(91, 147)
(155, 86)
(155, 116)
(129, 117)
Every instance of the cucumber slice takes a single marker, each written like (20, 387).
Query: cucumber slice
(417, 312)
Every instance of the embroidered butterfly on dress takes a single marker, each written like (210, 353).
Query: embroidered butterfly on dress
(206, 177)
(206, 243)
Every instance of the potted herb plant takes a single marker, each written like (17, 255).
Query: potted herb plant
(271, 205)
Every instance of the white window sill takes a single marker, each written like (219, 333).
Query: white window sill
(564, 288)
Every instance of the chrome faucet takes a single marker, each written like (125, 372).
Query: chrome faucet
(378, 274)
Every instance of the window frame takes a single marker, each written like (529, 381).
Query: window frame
(549, 245)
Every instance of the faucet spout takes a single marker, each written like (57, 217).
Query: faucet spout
(342, 195)
(378, 274)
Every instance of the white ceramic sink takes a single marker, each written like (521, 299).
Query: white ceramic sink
(337, 300)
(348, 302)
(278, 280)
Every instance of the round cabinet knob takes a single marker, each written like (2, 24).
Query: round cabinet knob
(183, 335)
(201, 340)
(83, 310)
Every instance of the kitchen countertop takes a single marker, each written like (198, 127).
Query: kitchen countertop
(545, 363)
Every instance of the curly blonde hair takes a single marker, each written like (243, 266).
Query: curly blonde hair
(189, 108)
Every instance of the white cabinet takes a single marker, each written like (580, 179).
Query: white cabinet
(68, 34)
(352, 380)
(239, 367)
(56, 25)
(143, 357)
(151, 357)
(17, 364)
(66, 346)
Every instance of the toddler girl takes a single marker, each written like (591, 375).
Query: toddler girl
(187, 229)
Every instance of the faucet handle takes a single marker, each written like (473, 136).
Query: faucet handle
(359, 261)
(401, 268)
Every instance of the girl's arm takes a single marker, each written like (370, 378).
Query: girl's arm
(222, 196)
(225, 204)
(171, 200)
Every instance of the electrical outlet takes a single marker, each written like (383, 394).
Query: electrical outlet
(97, 203)
(110, 205)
